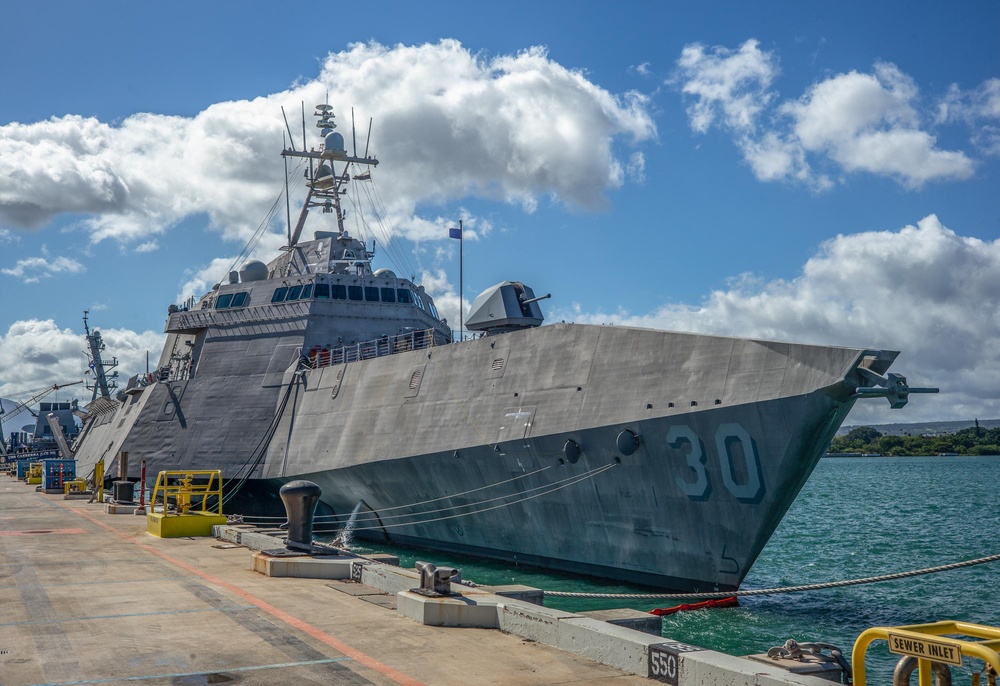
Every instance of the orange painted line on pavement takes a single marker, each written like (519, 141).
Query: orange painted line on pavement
(36, 532)
(318, 634)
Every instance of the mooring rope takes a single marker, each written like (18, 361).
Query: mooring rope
(774, 591)
(552, 488)
(326, 519)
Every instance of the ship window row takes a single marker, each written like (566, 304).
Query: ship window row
(336, 291)
(297, 292)
(230, 300)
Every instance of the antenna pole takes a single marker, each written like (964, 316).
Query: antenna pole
(303, 124)
(461, 309)
(288, 208)
(354, 136)
(287, 128)
(369, 136)
(311, 177)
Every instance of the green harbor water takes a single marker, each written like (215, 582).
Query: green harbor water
(855, 517)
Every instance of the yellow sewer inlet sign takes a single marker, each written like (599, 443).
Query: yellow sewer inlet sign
(937, 651)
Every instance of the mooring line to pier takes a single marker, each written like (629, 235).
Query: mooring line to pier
(784, 589)
(326, 519)
(552, 488)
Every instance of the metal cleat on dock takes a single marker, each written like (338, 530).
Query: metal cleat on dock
(435, 582)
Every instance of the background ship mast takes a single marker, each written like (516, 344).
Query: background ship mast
(102, 384)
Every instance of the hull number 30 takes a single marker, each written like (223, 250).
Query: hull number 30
(737, 457)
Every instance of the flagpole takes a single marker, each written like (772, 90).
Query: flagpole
(461, 309)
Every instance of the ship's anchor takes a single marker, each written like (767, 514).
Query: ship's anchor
(891, 386)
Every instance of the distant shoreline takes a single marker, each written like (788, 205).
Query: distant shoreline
(897, 457)
(923, 428)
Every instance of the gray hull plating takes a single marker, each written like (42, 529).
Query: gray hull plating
(521, 445)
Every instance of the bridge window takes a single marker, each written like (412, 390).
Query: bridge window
(403, 296)
(434, 310)
(307, 291)
(388, 294)
(420, 301)
(371, 294)
(339, 292)
(294, 292)
(279, 294)
(224, 301)
(322, 291)
(355, 293)
(240, 299)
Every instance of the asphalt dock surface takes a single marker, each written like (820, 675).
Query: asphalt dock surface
(91, 598)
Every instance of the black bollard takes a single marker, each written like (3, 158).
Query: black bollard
(300, 498)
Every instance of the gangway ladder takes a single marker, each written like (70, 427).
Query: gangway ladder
(933, 647)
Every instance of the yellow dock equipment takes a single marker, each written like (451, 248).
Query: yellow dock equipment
(190, 503)
(35, 473)
(75, 486)
(935, 646)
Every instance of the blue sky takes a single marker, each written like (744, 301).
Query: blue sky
(818, 173)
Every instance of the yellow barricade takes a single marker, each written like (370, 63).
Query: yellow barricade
(191, 494)
(929, 643)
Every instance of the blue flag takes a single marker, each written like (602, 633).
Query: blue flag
(455, 233)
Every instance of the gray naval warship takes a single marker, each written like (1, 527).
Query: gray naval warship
(654, 457)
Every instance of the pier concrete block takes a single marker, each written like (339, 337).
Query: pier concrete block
(528, 594)
(709, 668)
(303, 567)
(459, 611)
(534, 622)
(386, 578)
(617, 646)
(630, 619)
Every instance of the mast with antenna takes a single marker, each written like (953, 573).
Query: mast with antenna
(326, 183)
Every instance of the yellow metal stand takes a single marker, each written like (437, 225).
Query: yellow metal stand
(75, 486)
(929, 643)
(189, 492)
(35, 473)
(99, 480)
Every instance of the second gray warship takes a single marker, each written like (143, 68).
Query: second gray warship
(654, 457)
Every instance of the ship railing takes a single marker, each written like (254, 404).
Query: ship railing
(420, 339)
(195, 320)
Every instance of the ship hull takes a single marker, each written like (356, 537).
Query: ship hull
(651, 457)
(646, 518)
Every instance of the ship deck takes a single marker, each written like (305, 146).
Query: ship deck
(88, 597)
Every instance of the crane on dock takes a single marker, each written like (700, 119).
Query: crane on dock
(21, 405)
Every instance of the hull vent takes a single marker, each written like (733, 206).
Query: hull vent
(416, 378)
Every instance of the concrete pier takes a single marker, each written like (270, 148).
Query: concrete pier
(86, 597)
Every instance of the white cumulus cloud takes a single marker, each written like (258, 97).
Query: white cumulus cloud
(36, 353)
(979, 108)
(845, 124)
(34, 269)
(728, 85)
(448, 123)
(923, 290)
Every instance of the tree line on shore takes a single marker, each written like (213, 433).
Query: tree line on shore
(974, 440)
